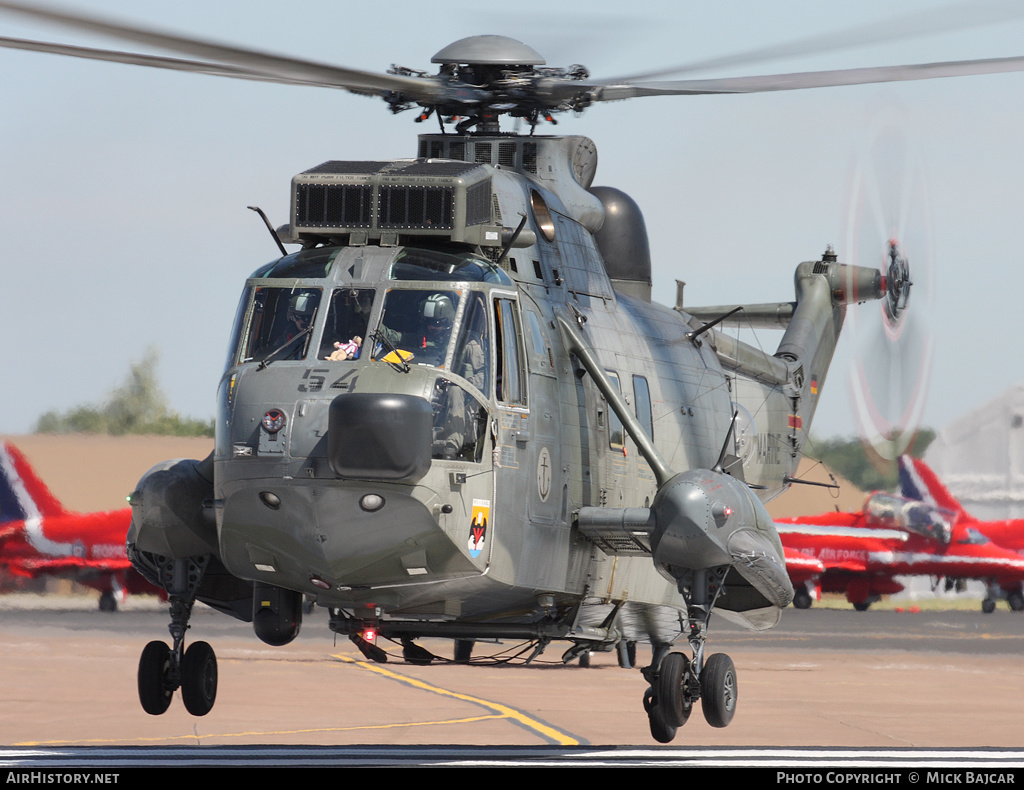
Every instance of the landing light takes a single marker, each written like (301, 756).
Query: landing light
(270, 499)
(371, 503)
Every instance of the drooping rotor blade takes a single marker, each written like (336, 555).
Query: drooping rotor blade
(790, 82)
(237, 61)
(955, 17)
(154, 61)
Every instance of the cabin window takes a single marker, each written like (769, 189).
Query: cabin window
(417, 323)
(616, 438)
(642, 405)
(347, 319)
(509, 385)
(280, 323)
(472, 358)
(540, 358)
(460, 423)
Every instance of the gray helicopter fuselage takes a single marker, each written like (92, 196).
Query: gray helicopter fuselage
(486, 526)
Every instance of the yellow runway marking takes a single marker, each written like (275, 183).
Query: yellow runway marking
(500, 712)
(503, 711)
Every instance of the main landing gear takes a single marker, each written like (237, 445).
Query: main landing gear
(676, 682)
(164, 669)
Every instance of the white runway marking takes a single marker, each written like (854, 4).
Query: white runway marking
(818, 760)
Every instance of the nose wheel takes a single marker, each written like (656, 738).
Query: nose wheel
(162, 672)
(677, 681)
(164, 669)
(718, 690)
(199, 679)
(156, 686)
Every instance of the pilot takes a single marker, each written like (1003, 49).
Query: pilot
(298, 318)
(438, 314)
(300, 313)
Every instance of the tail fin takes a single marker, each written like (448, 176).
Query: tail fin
(918, 481)
(21, 490)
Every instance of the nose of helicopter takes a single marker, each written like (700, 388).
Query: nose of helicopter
(379, 436)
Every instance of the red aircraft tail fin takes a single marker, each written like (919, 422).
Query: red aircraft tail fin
(918, 481)
(21, 490)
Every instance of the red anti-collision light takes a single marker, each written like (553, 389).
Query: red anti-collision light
(273, 420)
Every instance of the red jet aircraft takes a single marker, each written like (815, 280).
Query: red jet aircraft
(919, 482)
(893, 536)
(39, 537)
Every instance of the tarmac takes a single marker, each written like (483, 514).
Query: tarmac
(822, 678)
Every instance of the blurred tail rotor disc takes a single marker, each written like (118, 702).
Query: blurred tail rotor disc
(888, 228)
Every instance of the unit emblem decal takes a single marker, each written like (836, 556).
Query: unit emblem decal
(478, 526)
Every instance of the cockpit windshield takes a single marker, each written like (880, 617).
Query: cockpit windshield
(347, 319)
(412, 263)
(909, 515)
(307, 264)
(280, 323)
(417, 325)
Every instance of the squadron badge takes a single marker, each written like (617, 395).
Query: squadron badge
(478, 526)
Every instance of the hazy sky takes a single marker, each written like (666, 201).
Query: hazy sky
(123, 190)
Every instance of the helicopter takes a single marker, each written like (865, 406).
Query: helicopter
(456, 412)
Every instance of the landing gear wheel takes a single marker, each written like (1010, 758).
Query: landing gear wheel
(155, 688)
(661, 730)
(862, 606)
(108, 603)
(199, 679)
(988, 606)
(585, 660)
(670, 690)
(1016, 601)
(718, 690)
(802, 599)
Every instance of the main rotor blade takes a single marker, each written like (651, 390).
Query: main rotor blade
(237, 61)
(954, 17)
(135, 59)
(797, 81)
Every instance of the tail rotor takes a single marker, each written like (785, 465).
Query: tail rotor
(888, 227)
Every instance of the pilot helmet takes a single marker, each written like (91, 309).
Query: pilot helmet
(438, 310)
(301, 306)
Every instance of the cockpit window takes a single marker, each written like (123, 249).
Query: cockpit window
(472, 358)
(888, 510)
(280, 323)
(460, 423)
(308, 264)
(238, 326)
(418, 323)
(347, 319)
(417, 264)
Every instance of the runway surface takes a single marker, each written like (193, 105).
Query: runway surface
(823, 678)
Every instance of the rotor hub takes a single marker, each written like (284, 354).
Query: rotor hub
(897, 284)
